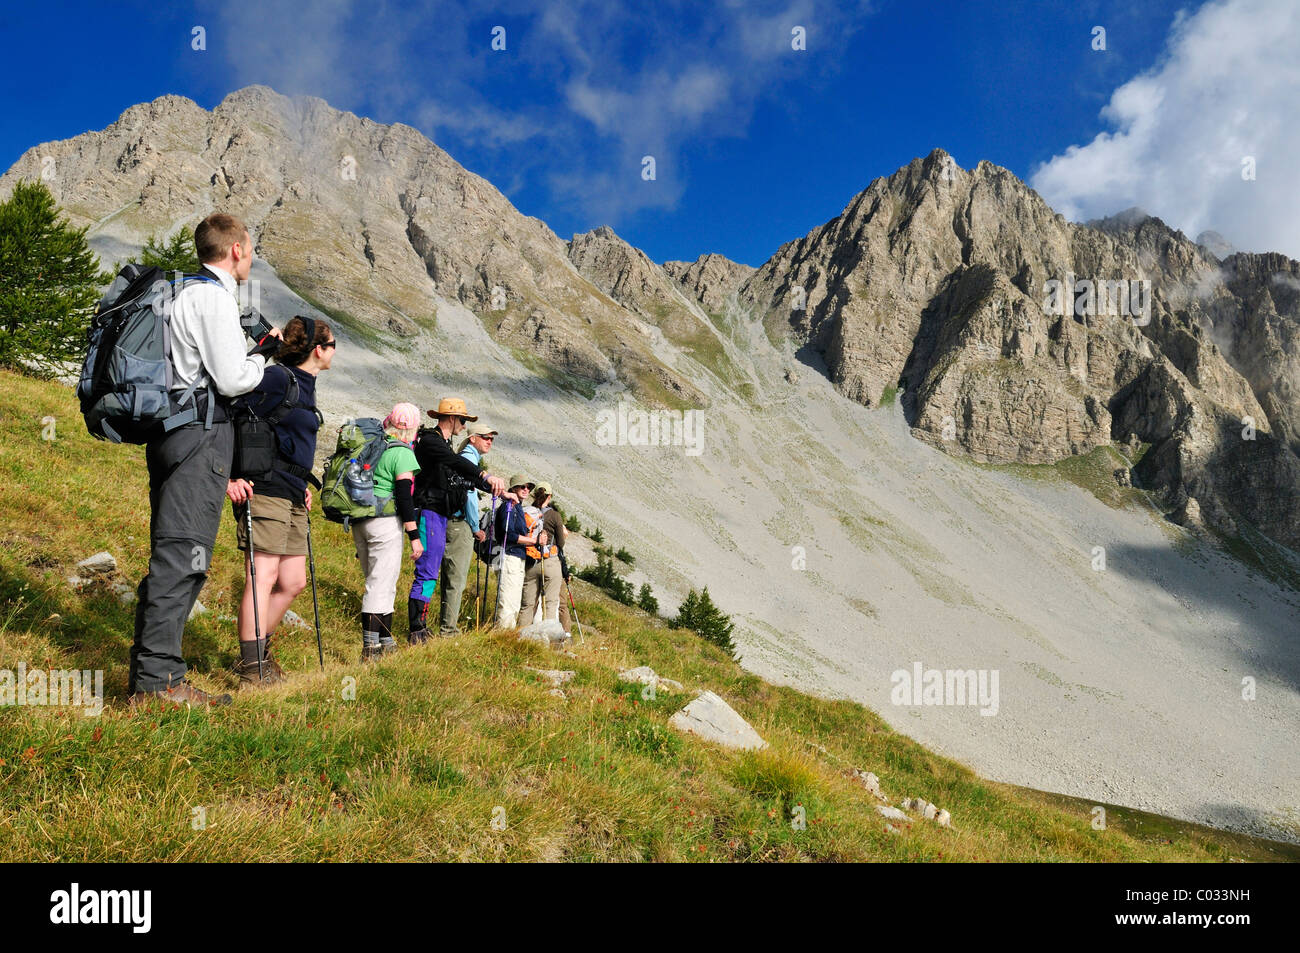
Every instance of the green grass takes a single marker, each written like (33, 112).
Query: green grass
(1093, 471)
(454, 750)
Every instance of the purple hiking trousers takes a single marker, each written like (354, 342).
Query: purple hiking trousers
(433, 536)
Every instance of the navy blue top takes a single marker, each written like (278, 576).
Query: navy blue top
(517, 527)
(296, 432)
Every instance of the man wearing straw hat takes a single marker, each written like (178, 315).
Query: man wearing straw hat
(462, 530)
(440, 489)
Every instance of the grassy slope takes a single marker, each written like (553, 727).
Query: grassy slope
(438, 738)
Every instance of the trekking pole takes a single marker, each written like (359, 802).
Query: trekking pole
(315, 606)
(501, 567)
(252, 576)
(574, 609)
(478, 591)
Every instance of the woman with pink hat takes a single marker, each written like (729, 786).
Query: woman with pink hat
(379, 538)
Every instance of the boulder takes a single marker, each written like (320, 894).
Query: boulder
(893, 813)
(549, 633)
(712, 719)
(645, 675)
(100, 564)
(929, 811)
(869, 781)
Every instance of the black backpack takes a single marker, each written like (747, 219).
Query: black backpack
(439, 488)
(126, 380)
(257, 444)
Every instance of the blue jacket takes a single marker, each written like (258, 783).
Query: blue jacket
(510, 532)
(469, 513)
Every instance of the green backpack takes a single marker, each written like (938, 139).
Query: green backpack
(348, 490)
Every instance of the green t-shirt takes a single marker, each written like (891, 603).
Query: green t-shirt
(393, 461)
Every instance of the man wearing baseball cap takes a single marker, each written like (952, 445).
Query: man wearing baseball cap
(462, 530)
(440, 488)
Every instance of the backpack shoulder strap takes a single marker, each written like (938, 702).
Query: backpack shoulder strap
(290, 401)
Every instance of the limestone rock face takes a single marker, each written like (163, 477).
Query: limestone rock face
(366, 220)
(1019, 337)
(710, 279)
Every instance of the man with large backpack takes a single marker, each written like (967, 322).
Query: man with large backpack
(440, 489)
(189, 464)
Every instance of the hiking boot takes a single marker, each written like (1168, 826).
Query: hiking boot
(248, 677)
(388, 648)
(180, 694)
(370, 653)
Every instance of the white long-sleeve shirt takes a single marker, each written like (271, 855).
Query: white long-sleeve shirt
(206, 336)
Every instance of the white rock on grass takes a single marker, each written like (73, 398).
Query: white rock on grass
(893, 813)
(642, 674)
(100, 564)
(928, 811)
(292, 618)
(869, 781)
(555, 676)
(549, 633)
(645, 675)
(199, 609)
(712, 719)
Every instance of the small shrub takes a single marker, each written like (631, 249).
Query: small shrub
(597, 536)
(607, 578)
(646, 599)
(572, 524)
(624, 556)
(698, 613)
(776, 776)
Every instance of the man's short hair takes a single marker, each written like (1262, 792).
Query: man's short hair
(215, 235)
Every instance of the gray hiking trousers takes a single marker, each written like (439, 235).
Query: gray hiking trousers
(188, 470)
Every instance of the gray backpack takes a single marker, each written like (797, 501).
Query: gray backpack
(126, 380)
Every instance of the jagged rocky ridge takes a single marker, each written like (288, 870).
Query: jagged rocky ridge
(932, 280)
(935, 280)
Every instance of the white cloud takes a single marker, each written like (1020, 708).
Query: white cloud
(1226, 87)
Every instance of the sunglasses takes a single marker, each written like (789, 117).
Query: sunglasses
(333, 343)
(486, 436)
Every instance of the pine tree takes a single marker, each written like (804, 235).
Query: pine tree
(646, 599)
(698, 613)
(176, 254)
(49, 284)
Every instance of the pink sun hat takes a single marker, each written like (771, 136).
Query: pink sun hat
(403, 417)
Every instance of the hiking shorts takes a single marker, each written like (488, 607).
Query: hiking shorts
(279, 526)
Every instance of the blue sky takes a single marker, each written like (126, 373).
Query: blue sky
(755, 143)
